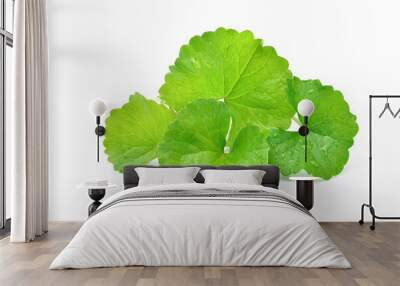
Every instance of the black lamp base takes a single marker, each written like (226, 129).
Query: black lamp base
(305, 193)
(100, 130)
(96, 195)
(303, 130)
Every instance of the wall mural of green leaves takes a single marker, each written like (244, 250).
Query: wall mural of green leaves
(229, 100)
(135, 131)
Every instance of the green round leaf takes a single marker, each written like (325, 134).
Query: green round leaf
(134, 131)
(198, 136)
(250, 78)
(249, 148)
(286, 151)
(332, 116)
(332, 129)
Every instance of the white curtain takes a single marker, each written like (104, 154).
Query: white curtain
(28, 120)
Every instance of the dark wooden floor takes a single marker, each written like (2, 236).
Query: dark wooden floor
(375, 257)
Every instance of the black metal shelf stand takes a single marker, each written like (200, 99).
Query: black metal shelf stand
(370, 205)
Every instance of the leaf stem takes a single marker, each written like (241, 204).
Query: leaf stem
(296, 119)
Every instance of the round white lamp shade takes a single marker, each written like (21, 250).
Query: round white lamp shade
(97, 107)
(305, 107)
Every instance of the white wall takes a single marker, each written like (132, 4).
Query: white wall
(109, 49)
